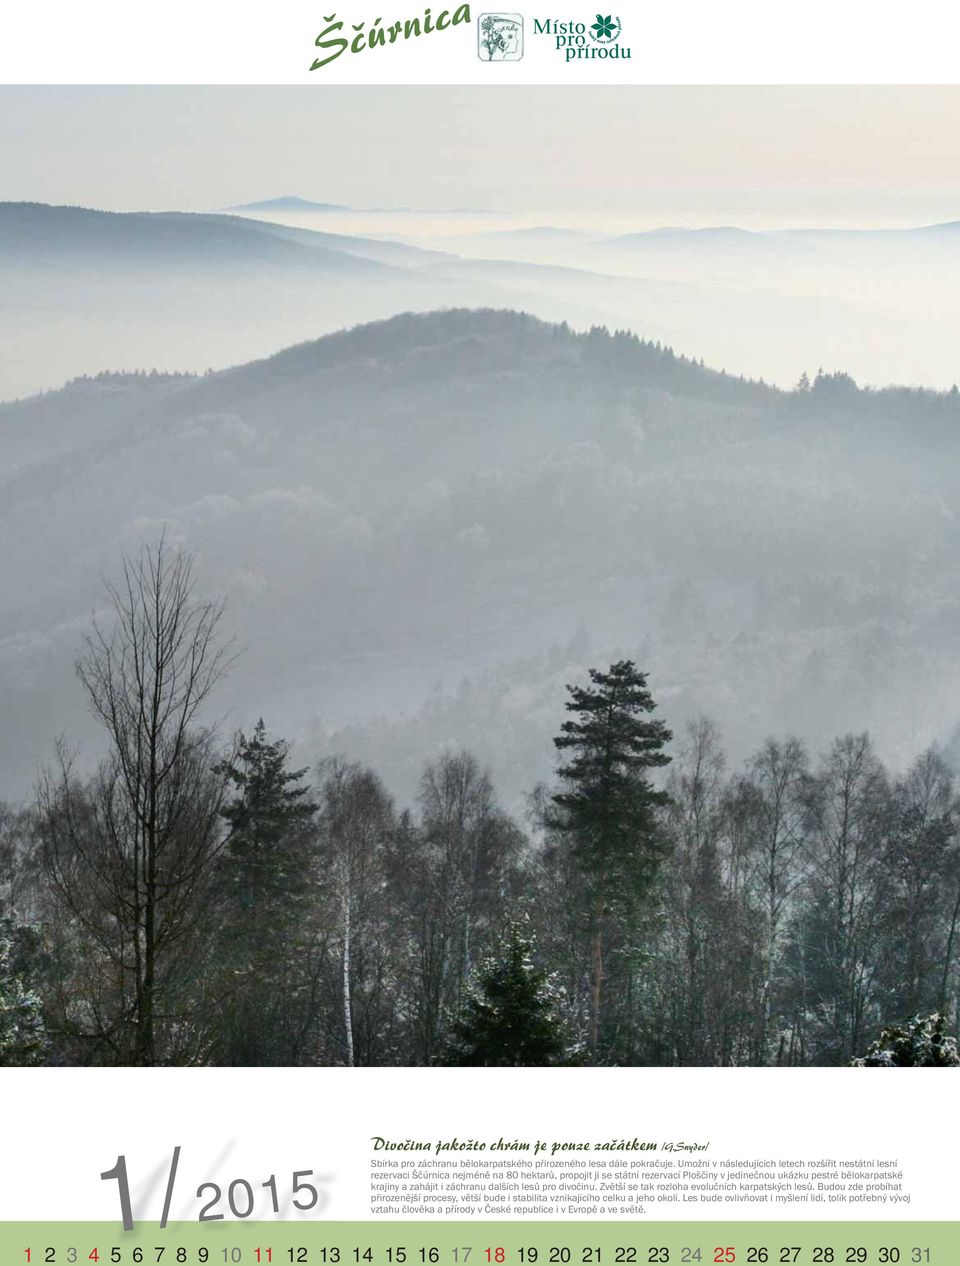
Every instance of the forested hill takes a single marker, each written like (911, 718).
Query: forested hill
(497, 347)
(472, 344)
(482, 345)
(455, 494)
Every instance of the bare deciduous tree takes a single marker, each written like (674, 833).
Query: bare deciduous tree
(132, 855)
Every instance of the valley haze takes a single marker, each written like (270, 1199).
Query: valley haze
(442, 516)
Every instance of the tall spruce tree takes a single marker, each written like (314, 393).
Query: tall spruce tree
(269, 816)
(607, 806)
(268, 886)
(509, 1018)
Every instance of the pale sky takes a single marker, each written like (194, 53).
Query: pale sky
(775, 157)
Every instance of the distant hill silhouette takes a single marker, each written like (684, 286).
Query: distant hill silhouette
(289, 202)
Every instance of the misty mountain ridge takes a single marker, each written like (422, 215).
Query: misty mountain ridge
(158, 239)
(718, 233)
(518, 335)
(179, 291)
(444, 497)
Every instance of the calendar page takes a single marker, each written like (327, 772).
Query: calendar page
(479, 628)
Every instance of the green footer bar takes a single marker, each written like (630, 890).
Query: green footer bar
(581, 1243)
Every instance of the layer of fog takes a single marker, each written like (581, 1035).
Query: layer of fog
(878, 303)
(880, 306)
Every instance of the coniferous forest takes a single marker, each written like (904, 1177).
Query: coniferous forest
(194, 899)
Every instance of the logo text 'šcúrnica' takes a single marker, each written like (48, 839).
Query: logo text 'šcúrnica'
(334, 43)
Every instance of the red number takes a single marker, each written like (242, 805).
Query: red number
(722, 1254)
(94, 1256)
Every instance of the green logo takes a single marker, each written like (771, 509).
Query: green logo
(578, 42)
(365, 37)
(605, 29)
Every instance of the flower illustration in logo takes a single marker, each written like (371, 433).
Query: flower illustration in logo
(605, 28)
(500, 37)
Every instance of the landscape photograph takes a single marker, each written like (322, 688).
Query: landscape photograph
(480, 576)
